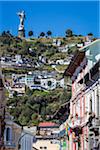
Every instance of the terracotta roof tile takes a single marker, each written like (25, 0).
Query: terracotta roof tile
(47, 124)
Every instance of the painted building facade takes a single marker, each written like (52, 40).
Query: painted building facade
(47, 136)
(84, 119)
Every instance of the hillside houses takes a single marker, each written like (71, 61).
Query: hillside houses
(35, 80)
(46, 81)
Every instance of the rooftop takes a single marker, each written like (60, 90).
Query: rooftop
(48, 124)
(75, 62)
(94, 50)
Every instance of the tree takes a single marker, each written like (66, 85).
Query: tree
(30, 33)
(15, 94)
(42, 34)
(69, 33)
(90, 34)
(80, 35)
(49, 33)
(8, 32)
(69, 51)
(3, 33)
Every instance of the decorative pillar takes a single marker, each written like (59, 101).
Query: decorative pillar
(70, 142)
(74, 146)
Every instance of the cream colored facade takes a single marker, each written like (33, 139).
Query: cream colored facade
(46, 145)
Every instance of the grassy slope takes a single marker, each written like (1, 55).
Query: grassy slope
(26, 109)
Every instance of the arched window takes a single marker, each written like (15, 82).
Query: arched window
(8, 134)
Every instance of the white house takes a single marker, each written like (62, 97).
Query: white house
(56, 42)
(18, 59)
(37, 81)
(49, 83)
(63, 62)
(63, 48)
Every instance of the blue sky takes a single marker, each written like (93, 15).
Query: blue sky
(80, 16)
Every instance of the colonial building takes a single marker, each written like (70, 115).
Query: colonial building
(84, 119)
(47, 137)
(12, 133)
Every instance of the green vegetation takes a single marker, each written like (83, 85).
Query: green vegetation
(61, 67)
(69, 33)
(36, 105)
(30, 33)
(13, 45)
(9, 71)
(47, 67)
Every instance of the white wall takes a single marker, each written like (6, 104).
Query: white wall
(26, 141)
(94, 94)
(49, 145)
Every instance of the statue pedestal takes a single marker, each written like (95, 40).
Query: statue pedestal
(21, 33)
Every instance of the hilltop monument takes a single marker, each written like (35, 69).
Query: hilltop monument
(21, 30)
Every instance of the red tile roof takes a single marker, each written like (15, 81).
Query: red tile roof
(48, 124)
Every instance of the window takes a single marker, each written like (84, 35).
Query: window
(41, 147)
(1, 83)
(49, 83)
(91, 104)
(8, 134)
(98, 103)
(78, 107)
(37, 82)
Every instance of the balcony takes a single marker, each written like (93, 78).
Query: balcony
(79, 88)
(96, 122)
(77, 121)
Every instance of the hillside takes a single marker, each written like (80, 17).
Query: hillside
(35, 106)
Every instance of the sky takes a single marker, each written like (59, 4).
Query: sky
(80, 16)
